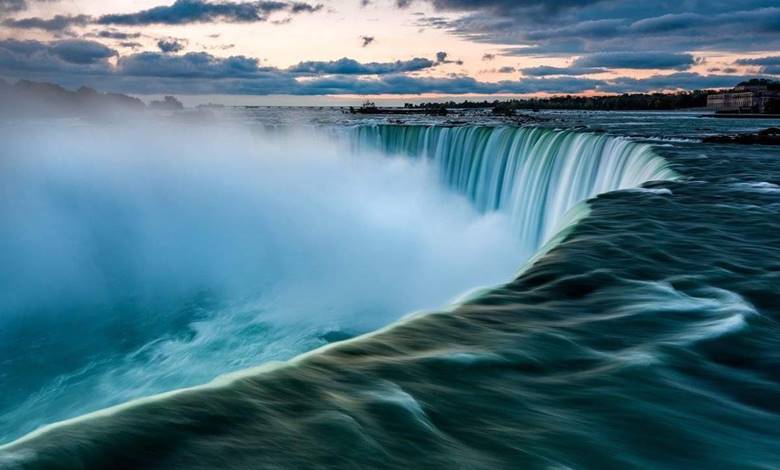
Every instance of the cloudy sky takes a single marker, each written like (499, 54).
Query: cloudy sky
(400, 48)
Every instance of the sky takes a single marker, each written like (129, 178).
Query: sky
(327, 51)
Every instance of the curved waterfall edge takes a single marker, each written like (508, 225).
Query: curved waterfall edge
(566, 224)
(532, 175)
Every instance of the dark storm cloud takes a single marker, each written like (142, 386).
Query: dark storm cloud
(200, 11)
(544, 71)
(180, 12)
(771, 69)
(300, 7)
(15, 6)
(170, 45)
(441, 58)
(346, 66)
(76, 62)
(190, 65)
(668, 23)
(770, 60)
(598, 29)
(636, 60)
(511, 5)
(573, 27)
(768, 65)
(56, 23)
(114, 34)
(54, 59)
(131, 44)
(80, 51)
(12, 6)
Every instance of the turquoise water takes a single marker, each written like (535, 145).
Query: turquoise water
(646, 337)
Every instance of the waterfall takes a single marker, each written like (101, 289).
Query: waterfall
(535, 175)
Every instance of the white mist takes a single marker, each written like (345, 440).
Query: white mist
(290, 233)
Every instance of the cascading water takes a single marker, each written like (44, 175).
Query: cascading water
(536, 175)
(649, 339)
(529, 177)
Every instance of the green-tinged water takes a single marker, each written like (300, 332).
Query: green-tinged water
(643, 334)
(534, 175)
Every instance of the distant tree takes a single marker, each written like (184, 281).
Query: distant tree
(27, 98)
(168, 103)
(773, 107)
(635, 101)
(771, 84)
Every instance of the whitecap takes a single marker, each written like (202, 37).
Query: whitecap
(658, 191)
(716, 328)
(761, 186)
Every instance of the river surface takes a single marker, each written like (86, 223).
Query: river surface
(592, 290)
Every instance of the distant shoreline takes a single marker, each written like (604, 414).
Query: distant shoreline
(741, 116)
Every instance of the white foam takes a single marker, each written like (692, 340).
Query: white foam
(397, 203)
(658, 191)
(716, 327)
(292, 235)
(708, 313)
(761, 186)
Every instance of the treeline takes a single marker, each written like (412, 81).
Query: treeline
(625, 102)
(28, 99)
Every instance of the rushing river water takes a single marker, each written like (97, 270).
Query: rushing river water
(641, 332)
